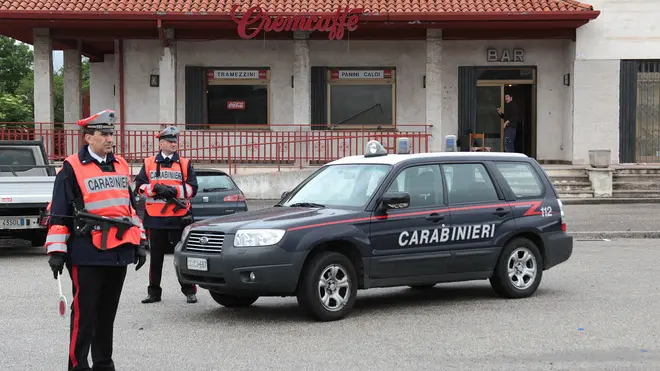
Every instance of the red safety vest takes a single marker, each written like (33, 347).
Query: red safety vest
(176, 177)
(107, 194)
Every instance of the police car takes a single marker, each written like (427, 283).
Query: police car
(385, 220)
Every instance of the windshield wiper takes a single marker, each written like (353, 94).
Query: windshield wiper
(306, 204)
(214, 189)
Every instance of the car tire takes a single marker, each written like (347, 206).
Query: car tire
(521, 260)
(233, 301)
(338, 273)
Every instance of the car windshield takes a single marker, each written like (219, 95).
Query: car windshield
(214, 182)
(340, 186)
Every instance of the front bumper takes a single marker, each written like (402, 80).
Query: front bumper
(558, 248)
(275, 271)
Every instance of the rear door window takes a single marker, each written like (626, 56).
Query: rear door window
(214, 183)
(469, 183)
(521, 178)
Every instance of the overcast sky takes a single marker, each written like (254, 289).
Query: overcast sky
(58, 59)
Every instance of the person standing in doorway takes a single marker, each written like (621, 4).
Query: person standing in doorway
(511, 119)
(163, 177)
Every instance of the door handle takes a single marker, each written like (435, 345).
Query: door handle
(500, 211)
(435, 217)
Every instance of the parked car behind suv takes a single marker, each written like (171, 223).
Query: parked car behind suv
(384, 220)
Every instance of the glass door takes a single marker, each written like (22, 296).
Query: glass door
(490, 97)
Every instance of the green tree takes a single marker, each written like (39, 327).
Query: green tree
(14, 108)
(16, 61)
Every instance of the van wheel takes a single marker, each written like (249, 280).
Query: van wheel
(519, 270)
(233, 301)
(328, 287)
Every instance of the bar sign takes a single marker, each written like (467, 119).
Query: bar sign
(236, 74)
(361, 74)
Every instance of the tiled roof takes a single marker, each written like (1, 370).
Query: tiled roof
(303, 6)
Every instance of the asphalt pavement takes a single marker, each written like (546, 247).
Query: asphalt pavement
(598, 311)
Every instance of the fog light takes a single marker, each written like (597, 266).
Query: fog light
(252, 276)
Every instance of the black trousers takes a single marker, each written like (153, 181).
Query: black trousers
(160, 241)
(96, 293)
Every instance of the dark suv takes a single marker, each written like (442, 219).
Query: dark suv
(384, 220)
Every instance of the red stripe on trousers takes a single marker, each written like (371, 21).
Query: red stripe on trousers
(76, 317)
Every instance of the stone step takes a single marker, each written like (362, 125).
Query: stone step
(569, 179)
(566, 172)
(568, 186)
(646, 169)
(636, 193)
(609, 200)
(627, 177)
(575, 194)
(636, 185)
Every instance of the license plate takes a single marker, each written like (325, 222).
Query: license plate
(197, 264)
(14, 223)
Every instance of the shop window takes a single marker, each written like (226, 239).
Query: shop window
(360, 98)
(237, 97)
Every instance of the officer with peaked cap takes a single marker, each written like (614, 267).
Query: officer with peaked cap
(96, 180)
(164, 176)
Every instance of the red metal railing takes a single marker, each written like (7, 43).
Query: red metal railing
(282, 145)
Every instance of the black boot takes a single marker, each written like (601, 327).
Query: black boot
(152, 297)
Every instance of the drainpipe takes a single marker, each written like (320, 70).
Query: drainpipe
(122, 133)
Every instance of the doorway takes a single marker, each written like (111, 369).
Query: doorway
(492, 86)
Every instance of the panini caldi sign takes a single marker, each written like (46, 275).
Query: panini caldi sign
(255, 20)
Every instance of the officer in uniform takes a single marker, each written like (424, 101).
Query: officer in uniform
(165, 176)
(96, 182)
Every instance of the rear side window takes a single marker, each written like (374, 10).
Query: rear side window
(522, 179)
(469, 183)
(214, 183)
(14, 157)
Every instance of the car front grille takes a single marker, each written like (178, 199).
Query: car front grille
(205, 241)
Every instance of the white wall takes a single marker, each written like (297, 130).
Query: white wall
(409, 57)
(623, 30)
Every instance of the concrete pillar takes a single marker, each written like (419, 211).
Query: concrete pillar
(167, 85)
(302, 90)
(44, 113)
(72, 97)
(434, 89)
(119, 63)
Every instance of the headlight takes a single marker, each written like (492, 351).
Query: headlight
(258, 237)
(185, 232)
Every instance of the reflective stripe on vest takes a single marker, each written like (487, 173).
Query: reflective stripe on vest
(174, 177)
(106, 194)
(56, 239)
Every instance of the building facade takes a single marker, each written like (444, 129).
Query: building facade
(583, 78)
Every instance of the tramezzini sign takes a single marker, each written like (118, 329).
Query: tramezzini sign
(256, 20)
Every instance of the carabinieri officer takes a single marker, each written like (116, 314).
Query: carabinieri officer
(164, 176)
(97, 182)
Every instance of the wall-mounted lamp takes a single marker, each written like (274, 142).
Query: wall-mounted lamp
(154, 81)
(567, 79)
(424, 82)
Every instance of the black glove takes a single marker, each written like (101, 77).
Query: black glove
(141, 255)
(165, 191)
(56, 262)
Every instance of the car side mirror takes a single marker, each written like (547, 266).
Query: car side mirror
(396, 200)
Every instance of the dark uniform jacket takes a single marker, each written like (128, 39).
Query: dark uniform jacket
(80, 250)
(150, 222)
